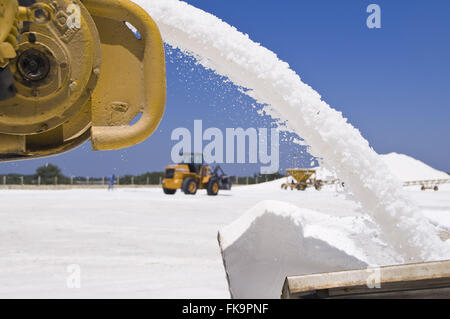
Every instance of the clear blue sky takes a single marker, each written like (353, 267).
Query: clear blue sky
(392, 83)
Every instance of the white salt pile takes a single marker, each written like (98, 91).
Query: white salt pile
(404, 167)
(270, 81)
(407, 168)
(275, 239)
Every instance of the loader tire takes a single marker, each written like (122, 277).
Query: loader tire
(213, 188)
(190, 186)
(169, 191)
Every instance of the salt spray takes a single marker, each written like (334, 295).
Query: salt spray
(222, 48)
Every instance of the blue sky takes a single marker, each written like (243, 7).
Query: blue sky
(391, 83)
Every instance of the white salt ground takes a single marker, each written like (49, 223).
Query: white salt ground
(144, 244)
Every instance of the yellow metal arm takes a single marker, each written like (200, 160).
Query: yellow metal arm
(113, 137)
(81, 69)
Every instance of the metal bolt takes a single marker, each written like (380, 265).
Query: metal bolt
(73, 85)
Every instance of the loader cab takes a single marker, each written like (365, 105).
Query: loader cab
(194, 161)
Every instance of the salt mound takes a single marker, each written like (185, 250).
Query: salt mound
(407, 168)
(275, 239)
(402, 166)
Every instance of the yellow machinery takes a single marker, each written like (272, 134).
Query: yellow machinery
(191, 175)
(428, 184)
(74, 70)
(300, 179)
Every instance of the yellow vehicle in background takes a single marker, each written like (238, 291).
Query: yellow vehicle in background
(192, 174)
(301, 179)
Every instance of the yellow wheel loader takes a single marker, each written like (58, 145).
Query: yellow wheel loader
(192, 174)
(74, 70)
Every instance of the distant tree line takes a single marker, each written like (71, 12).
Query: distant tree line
(52, 175)
(257, 178)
